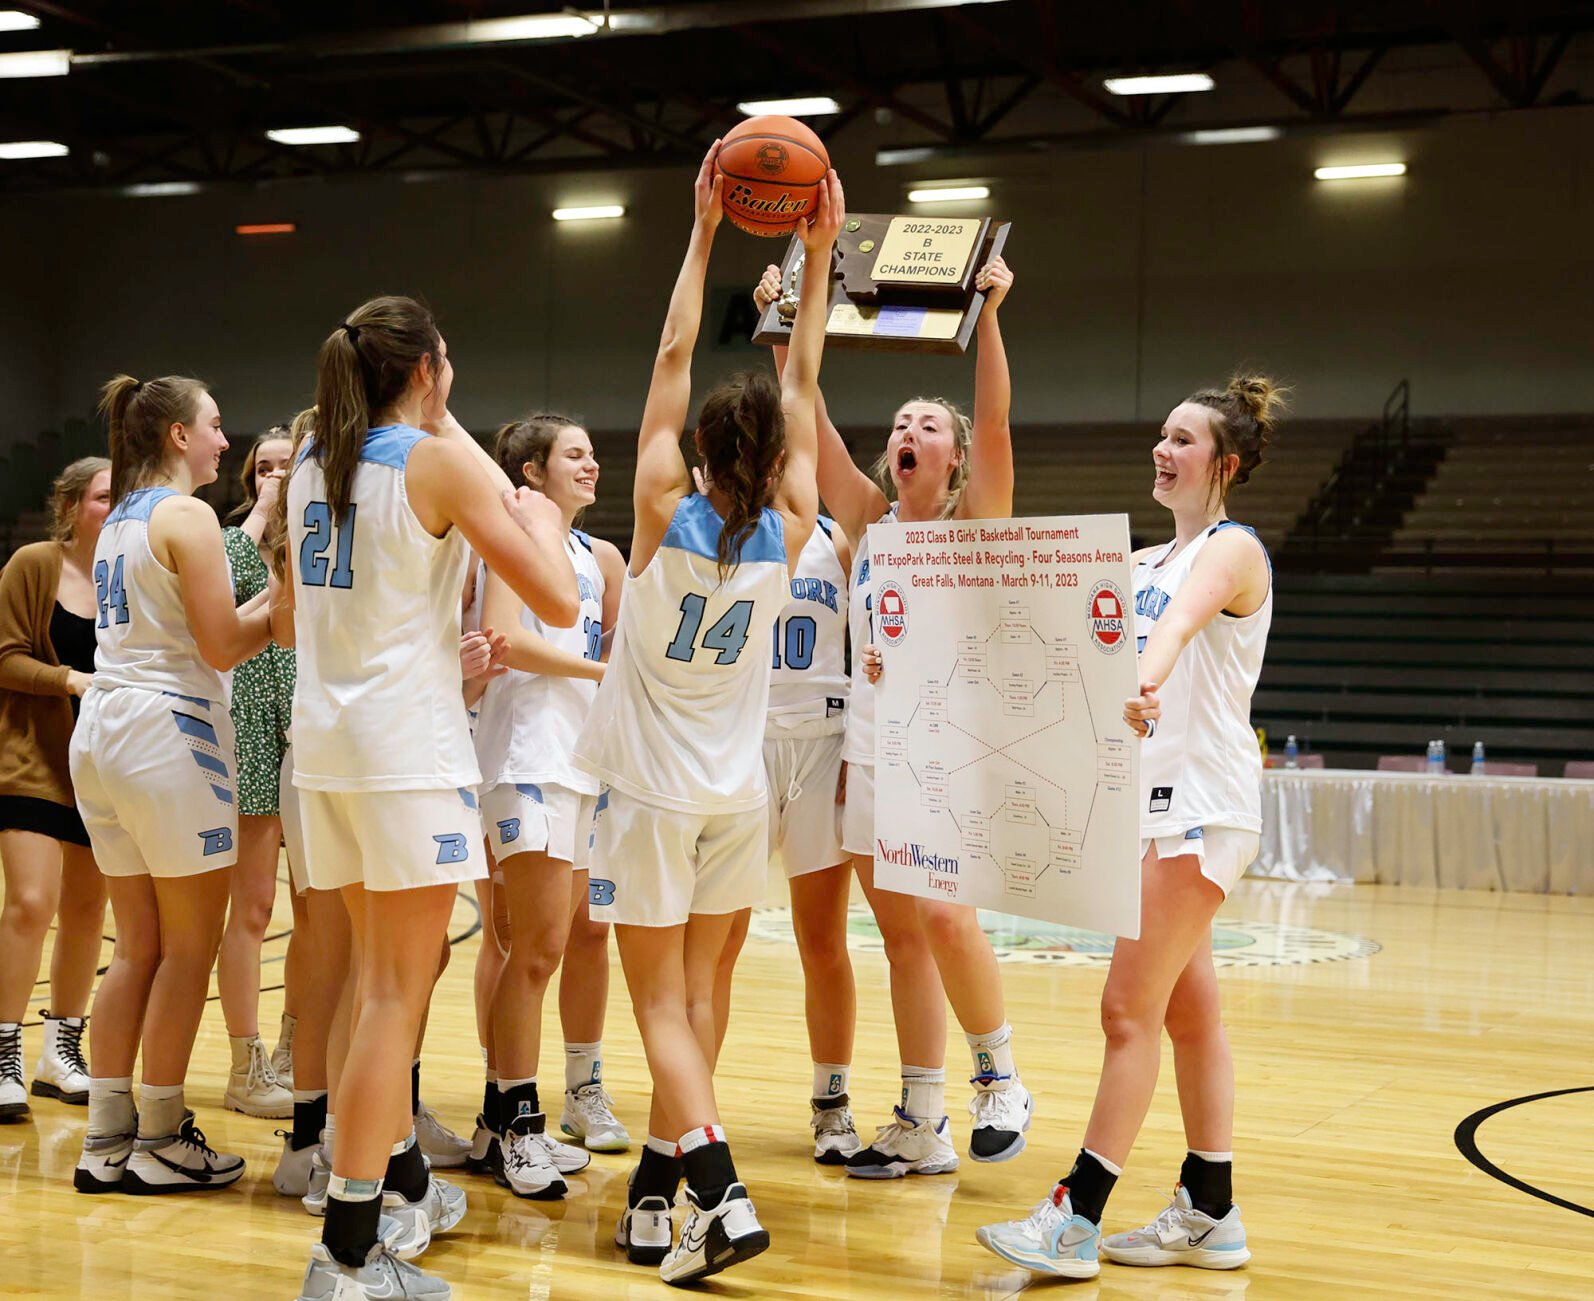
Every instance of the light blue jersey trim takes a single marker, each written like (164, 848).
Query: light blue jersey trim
(584, 538)
(390, 445)
(1235, 524)
(696, 527)
(139, 503)
(827, 524)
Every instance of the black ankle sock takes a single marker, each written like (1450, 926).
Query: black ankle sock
(349, 1231)
(1089, 1184)
(309, 1119)
(415, 1087)
(519, 1101)
(493, 1107)
(709, 1172)
(1209, 1183)
(406, 1173)
(657, 1175)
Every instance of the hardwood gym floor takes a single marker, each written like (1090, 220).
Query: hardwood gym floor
(1367, 1023)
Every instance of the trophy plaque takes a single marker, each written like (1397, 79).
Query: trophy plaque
(898, 284)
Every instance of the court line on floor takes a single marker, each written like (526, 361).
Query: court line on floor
(1466, 1139)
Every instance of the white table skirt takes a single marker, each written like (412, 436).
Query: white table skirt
(1478, 833)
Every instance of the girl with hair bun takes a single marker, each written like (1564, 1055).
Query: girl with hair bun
(1203, 605)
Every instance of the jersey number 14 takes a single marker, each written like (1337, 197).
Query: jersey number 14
(727, 636)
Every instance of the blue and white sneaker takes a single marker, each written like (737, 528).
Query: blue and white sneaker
(1182, 1235)
(1002, 1109)
(1052, 1240)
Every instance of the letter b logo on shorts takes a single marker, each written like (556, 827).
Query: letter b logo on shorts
(452, 848)
(508, 830)
(218, 840)
(600, 892)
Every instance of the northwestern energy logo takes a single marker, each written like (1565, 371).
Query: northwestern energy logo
(891, 614)
(1107, 626)
(941, 870)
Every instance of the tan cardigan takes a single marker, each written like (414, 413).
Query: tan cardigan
(35, 705)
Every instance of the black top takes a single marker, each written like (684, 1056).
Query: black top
(73, 638)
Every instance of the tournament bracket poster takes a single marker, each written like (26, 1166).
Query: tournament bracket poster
(1005, 776)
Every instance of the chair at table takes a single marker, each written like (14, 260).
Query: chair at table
(1580, 769)
(1402, 763)
(1503, 768)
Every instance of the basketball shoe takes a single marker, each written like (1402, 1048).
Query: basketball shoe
(715, 1239)
(484, 1150)
(835, 1134)
(292, 1175)
(1182, 1235)
(1002, 1109)
(383, 1275)
(645, 1232)
(443, 1147)
(178, 1163)
(1050, 1240)
(589, 1116)
(103, 1164)
(906, 1147)
(315, 1196)
(527, 1168)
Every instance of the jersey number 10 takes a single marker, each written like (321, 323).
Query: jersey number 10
(318, 537)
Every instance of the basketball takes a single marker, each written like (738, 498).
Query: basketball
(772, 167)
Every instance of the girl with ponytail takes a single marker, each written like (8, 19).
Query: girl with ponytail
(1203, 605)
(676, 730)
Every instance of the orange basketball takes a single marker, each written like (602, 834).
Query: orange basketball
(772, 167)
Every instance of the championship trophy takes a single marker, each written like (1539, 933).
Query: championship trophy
(898, 284)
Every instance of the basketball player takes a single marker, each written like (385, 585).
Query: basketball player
(532, 797)
(376, 510)
(152, 766)
(1203, 604)
(676, 729)
(939, 465)
(803, 740)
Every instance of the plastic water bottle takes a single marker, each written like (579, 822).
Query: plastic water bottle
(1292, 753)
(1477, 758)
(1436, 758)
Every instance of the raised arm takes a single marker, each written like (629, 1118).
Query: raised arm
(798, 495)
(185, 537)
(662, 478)
(989, 492)
(853, 499)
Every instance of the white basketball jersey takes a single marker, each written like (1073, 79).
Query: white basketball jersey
(860, 623)
(141, 633)
(529, 722)
(808, 666)
(377, 597)
(679, 718)
(1202, 768)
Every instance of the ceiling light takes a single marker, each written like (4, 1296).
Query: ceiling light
(36, 63)
(33, 149)
(533, 27)
(949, 193)
(161, 189)
(14, 20)
(314, 135)
(1177, 84)
(267, 228)
(1361, 172)
(1233, 135)
(811, 106)
(597, 213)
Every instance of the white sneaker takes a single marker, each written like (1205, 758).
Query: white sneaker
(62, 1073)
(292, 1175)
(715, 1239)
(645, 1232)
(405, 1226)
(13, 1096)
(589, 1116)
(1182, 1235)
(443, 1147)
(567, 1160)
(442, 1203)
(1050, 1240)
(282, 1054)
(906, 1147)
(483, 1158)
(835, 1134)
(252, 1086)
(1002, 1109)
(527, 1168)
(315, 1196)
(103, 1163)
(382, 1276)
(179, 1163)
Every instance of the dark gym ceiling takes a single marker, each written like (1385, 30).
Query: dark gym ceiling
(162, 91)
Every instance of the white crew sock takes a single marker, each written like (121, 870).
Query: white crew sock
(993, 1053)
(583, 1065)
(160, 1110)
(110, 1106)
(830, 1080)
(924, 1092)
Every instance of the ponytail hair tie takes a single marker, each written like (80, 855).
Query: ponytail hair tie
(353, 331)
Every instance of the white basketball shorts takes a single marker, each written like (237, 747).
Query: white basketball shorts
(857, 814)
(391, 840)
(292, 824)
(1223, 852)
(522, 818)
(654, 866)
(804, 818)
(154, 776)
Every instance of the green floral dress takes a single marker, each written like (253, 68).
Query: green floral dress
(262, 691)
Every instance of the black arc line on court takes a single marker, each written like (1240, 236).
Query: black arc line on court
(1467, 1144)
